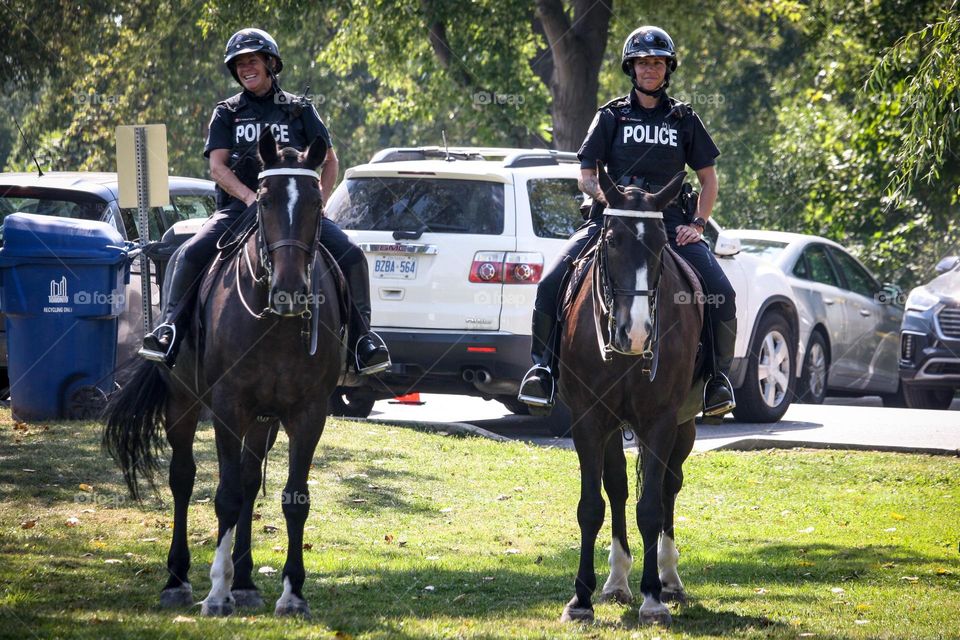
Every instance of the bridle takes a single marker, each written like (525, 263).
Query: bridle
(605, 292)
(265, 252)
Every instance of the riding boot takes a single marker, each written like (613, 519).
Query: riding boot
(718, 397)
(370, 352)
(162, 343)
(539, 385)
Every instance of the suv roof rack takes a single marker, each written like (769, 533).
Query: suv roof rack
(512, 158)
(539, 158)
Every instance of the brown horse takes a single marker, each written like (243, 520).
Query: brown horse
(628, 359)
(266, 347)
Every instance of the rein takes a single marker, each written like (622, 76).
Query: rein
(310, 315)
(605, 292)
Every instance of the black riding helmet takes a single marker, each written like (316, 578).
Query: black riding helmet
(251, 41)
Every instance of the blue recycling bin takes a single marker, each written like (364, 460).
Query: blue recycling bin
(62, 290)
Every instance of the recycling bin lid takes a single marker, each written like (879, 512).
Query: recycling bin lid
(28, 235)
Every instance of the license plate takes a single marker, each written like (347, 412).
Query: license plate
(404, 267)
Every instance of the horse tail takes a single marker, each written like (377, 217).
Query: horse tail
(134, 434)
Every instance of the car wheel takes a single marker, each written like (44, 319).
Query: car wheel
(514, 405)
(895, 400)
(917, 397)
(768, 385)
(343, 403)
(816, 367)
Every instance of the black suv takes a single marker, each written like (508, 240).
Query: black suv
(930, 340)
(93, 196)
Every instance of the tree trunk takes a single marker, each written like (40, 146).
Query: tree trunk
(576, 48)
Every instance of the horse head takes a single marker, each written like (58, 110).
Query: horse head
(289, 209)
(632, 241)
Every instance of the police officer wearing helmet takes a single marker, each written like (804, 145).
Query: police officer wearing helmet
(644, 138)
(254, 61)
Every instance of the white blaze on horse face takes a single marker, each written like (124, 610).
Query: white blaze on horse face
(640, 305)
(221, 572)
(667, 560)
(620, 565)
(292, 195)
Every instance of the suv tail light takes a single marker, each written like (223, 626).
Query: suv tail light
(509, 267)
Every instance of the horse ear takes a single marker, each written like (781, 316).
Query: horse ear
(662, 198)
(268, 148)
(609, 188)
(317, 153)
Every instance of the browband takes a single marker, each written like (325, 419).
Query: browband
(288, 172)
(627, 213)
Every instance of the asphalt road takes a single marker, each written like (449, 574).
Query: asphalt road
(860, 423)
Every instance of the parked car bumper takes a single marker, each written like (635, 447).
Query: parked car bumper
(487, 365)
(928, 357)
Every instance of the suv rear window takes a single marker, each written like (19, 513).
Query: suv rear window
(555, 207)
(419, 204)
(82, 210)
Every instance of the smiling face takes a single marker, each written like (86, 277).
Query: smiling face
(650, 71)
(252, 71)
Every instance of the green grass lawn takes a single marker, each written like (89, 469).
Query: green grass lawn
(419, 535)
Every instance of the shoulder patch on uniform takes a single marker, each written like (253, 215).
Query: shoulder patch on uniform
(234, 102)
(616, 103)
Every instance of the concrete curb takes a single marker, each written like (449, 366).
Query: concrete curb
(456, 428)
(754, 444)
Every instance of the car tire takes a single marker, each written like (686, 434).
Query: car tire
(766, 391)
(895, 400)
(343, 403)
(918, 397)
(514, 405)
(815, 371)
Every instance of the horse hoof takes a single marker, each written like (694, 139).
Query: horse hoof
(292, 607)
(620, 596)
(247, 598)
(659, 617)
(181, 596)
(671, 595)
(574, 613)
(220, 608)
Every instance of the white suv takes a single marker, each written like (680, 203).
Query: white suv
(457, 240)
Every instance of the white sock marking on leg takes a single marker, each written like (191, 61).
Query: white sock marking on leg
(667, 560)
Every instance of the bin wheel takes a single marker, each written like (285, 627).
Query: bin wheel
(86, 403)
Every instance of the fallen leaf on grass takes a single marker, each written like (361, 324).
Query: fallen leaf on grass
(539, 560)
(429, 587)
(342, 635)
(269, 528)
(358, 501)
(836, 590)
(266, 571)
(943, 572)
(388, 539)
(460, 597)
(512, 551)
(861, 622)
(760, 591)
(307, 546)
(72, 522)
(180, 619)
(807, 530)
(910, 578)
(148, 539)
(502, 497)
(113, 561)
(897, 516)
(85, 487)
(29, 524)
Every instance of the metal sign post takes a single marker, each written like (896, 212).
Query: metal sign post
(142, 177)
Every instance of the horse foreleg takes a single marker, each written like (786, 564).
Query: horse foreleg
(589, 444)
(255, 446)
(228, 503)
(657, 445)
(667, 554)
(304, 433)
(617, 587)
(182, 413)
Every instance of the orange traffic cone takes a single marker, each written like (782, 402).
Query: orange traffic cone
(409, 399)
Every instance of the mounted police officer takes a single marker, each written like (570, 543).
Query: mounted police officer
(254, 61)
(644, 139)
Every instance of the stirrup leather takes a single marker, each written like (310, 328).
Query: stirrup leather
(374, 368)
(156, 355)
(723, 407)
(540, 371)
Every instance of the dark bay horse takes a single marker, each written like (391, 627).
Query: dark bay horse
(266, 347)
(628, 358)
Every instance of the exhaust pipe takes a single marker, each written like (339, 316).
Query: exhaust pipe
(483, 376)
(469, 375)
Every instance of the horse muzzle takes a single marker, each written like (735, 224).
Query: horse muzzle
(288, 303)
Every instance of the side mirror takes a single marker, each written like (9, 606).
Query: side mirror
(726, 246)
(947, 264)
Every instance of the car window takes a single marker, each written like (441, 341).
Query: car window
(419, 204)
(765, 249)
(81, 209)
(555, 206)
(192, 207)
(856, 277)
(130, 219)
(818, 267)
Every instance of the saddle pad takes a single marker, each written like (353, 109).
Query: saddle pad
(691, 275)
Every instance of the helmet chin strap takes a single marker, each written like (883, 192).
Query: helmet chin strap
(656, 93)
